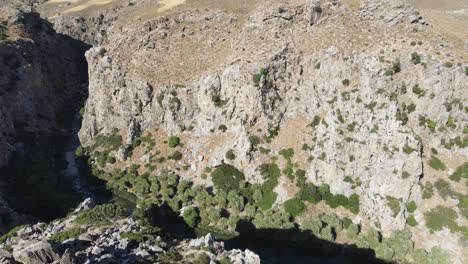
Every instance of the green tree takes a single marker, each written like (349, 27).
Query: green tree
(190, 216)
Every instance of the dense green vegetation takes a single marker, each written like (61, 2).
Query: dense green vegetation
(436, 163)
(235, 200)
(100, 214)
(440, 217)
(173, 142)
(67, 234)
(11, 233)
(460, 173)
(294, 207)
(227, 178)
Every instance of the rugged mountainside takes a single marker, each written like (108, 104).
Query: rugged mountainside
(117, 239)
(332, 121)
(42, 82)
(35, 89)
(377, 102)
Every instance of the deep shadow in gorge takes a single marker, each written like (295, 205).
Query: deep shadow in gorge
(34, 181)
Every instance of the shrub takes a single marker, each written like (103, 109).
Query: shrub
(202, 258)
(222, 128)
(436, 164)
(135, 237)
(353, 204)
(67, 234)
(101, 158)
(418, 90)
(254, 141)
(109, 142)
(160, 99)
(173, 142)
(79, 152)
(407, 149)
(258, 76)
(110, 160)
(100, 213)
(411, 221)
(448, 64)
(428, 191)
(176, 155)
(394, 205)
(415, 58)
(294, 207)
(460, 173)
(227, 178)
(287, 153)
(315, 121)
(190, 216)
(440, 217)
(267, 201)
(338, 200)
(466, 70)
(443, 188)
(411, 206)
(345, 82)
(230, 154)
(318, 9)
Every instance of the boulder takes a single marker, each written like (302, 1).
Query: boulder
(35, 252)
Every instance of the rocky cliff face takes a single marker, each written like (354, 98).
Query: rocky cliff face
(42, 77)
(358, 100)
(366, 100)
(361, 106)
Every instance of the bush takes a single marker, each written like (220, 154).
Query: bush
(100, 213)
(190, 216)
(269, 170)
(460, 173)
(67, 234)
(109, 142)
(394, 205)
(418, 90)
(267, 200)
(315, 121)
(110, 160)
(79, 152)
(294, 207)
(176, 155)
(338, 200)
(443, 188)
(230, 154)
(353, 204)
(227, 178)
(254, 140)
(415, 58)
(440, 217)
(411, 206)
(448, 64)
(287, 153)
(134, 237)
(411, 221)
(222, 128)
(173, 142)
(345, 82)
(436, 164)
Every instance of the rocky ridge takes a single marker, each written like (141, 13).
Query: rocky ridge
(66, 241)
